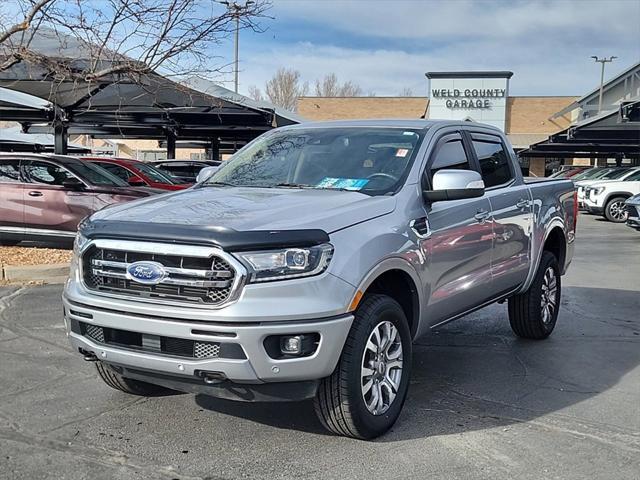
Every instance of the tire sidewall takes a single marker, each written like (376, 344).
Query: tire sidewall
(368, 424)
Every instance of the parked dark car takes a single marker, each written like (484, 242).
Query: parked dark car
(139, 174)
(185, 170)
(44, 197)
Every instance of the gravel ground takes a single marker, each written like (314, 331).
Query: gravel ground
(482, 404)
(33, 256)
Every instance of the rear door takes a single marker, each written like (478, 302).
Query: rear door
(49, 207)
(511, 211)
(460, 242)
(11, 206)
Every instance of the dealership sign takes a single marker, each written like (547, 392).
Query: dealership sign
(478, 96)
(469, 97)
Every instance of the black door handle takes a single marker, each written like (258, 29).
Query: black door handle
(35, 194)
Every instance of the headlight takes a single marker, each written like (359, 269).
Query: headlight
(265, 266)
(597, 190)
(79, 243)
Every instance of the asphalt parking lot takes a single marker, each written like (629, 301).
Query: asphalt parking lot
(482, 404)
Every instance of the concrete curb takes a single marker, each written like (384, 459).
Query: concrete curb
(55, 273)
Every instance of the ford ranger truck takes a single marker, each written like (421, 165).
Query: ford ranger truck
(308, 263)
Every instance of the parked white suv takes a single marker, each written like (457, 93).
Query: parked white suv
(613, 174)
(608, 198)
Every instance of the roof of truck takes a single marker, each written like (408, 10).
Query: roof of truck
(390, 122)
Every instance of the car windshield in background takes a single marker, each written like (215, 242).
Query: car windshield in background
(96, 175)
(371, 160)
(613, 174)
(154, 174)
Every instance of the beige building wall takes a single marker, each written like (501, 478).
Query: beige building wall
(342, 108)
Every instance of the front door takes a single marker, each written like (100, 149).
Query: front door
(50, 208)
(458, 249)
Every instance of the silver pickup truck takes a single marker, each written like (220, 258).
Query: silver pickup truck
(308, 263)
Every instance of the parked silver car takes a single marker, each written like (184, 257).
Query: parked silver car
(309, 262)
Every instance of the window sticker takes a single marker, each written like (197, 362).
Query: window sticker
(402, 152)
(346, 183)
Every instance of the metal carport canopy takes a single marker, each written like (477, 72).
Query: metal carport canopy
(125, 105)
(610, 135)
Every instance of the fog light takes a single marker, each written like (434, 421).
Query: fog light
(291, 345)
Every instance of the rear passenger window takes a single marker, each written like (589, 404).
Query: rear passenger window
(450, 155)
(47, 173)
(495, 164)
(9, 171)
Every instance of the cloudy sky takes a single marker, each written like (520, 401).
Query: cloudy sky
(386, 46)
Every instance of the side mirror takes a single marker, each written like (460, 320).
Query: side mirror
(454, 185)
(72, 183)
(136, 181)
(206, 173)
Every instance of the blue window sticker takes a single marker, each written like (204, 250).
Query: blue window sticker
(345, 183)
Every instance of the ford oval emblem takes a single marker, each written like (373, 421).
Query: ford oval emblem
(148, 273)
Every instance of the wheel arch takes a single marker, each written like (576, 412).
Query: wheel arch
(398, 279)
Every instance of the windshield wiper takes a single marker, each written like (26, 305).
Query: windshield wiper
(293, 185)
(217, 184)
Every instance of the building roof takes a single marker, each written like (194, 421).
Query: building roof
(470, 74)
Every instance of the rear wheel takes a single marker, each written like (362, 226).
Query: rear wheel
(365, 394)
(128, 385)
(533, 314)
(615, 211)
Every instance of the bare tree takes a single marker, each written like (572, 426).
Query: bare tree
(174, 37)
(330, 86)
(255, 93)
(285, 88)
(406, 92)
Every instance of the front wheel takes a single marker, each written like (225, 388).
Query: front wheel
(365, 394)
(615, 211)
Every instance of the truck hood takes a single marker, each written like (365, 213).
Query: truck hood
(246, 209)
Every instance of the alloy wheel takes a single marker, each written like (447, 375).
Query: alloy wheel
(618, 211)
(549, 295)
(381, 370)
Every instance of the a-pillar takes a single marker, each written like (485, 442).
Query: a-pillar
(61, 138)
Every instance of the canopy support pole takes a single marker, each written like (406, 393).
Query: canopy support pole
(171, 146)
(213, 150)
(61, 138)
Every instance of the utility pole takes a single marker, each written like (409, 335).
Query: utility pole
(602, 60)
(236, 10)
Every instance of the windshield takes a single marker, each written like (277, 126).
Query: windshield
(154, 174)
(613, 174)
(371, 160)
(96, 175)
(590, 173)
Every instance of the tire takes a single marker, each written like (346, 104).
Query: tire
(128, 385)
(340, 401)
(528, 312)
(615, 210)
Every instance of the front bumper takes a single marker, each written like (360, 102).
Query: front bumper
(258, 367)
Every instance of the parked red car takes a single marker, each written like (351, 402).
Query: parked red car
(138, 174)
(44, 197)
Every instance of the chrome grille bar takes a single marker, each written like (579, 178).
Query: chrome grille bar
(190, 272)
(169, 281)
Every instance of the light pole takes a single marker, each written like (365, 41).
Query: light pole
(602, 60)
(236, 10)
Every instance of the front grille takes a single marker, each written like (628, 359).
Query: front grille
(195, 280)
(632, 211)
(179, 347)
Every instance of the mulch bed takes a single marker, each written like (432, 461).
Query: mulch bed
(21, 256)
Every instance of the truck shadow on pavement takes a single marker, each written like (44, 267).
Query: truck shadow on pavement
(475, 374)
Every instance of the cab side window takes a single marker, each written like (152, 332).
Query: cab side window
(9, 171)
(47, 173)
(117, 170)
(495, 164)
(450, 154)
